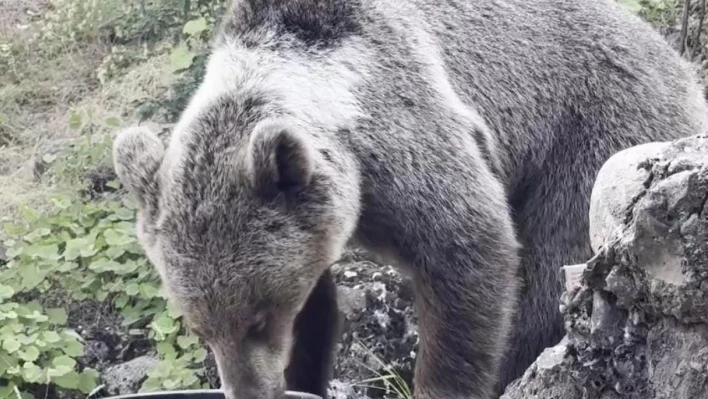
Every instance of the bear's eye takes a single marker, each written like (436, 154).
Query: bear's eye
(258, 325)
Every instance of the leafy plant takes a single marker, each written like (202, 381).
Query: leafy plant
(187, 61)
(72, 21)
(37, 347)
(179, 354)
(85, 248)
(657, 12)
(89, 250)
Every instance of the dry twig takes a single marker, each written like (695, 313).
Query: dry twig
(684, 25)
(697, 41)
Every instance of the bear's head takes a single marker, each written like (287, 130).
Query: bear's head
(240, 220)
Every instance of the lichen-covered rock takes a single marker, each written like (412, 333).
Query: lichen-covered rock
(618, 183)
(637, 327)
(380, 334)
(125, 378)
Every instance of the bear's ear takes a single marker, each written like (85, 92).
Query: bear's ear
(279, 158)
(137, 155)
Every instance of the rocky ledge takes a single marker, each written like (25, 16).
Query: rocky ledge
(637, 324)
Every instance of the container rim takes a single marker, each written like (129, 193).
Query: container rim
(148, 395)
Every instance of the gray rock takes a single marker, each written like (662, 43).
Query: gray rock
(341, 390)
(125, 378)
(637, 327)
(618, 183)
(555, 384)
(96, 352)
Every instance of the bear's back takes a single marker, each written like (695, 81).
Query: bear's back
(545, 74)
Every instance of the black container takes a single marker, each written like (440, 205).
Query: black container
(202, 394)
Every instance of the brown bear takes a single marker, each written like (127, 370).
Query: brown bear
(460, 139)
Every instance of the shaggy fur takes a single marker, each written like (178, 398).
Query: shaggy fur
(460, 139)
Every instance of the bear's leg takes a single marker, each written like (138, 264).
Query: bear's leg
(551, 213)
(463, 322)
(316, 332)
(450, 229)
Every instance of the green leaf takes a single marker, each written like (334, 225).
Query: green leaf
(75, 121)
(67, 267)
(189, 379)
(29, 214)
(632, 5)
(195, 26)
(130, 317)
(114, 252)
(35, 315)
(132, 289)
(59, 371)
(128, 267)
(185, 341)
(7, 315)
(73, 248)
(88, 380)
(7, 362)
(170, 384)
(36, 234)
(200, 355)
(7, 392)
(101, 265)
(113, 122)
(64, 361)
(151, 385)
(173, 311)
(117, 238)
(62, 202)
(29, 354)
(148, 290)
(166, 350)
(164, 325)
(68, 380)
(73, 349)
(6, 292)
(181, 58)
(56, 316)
(125, 214)
(13, 229)
(33, 306)
(26, 340)
(14, 252)
(31, 372)
(51, 337)
(121, 300)
(31, 276)
(48, 252)
(10, 345)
